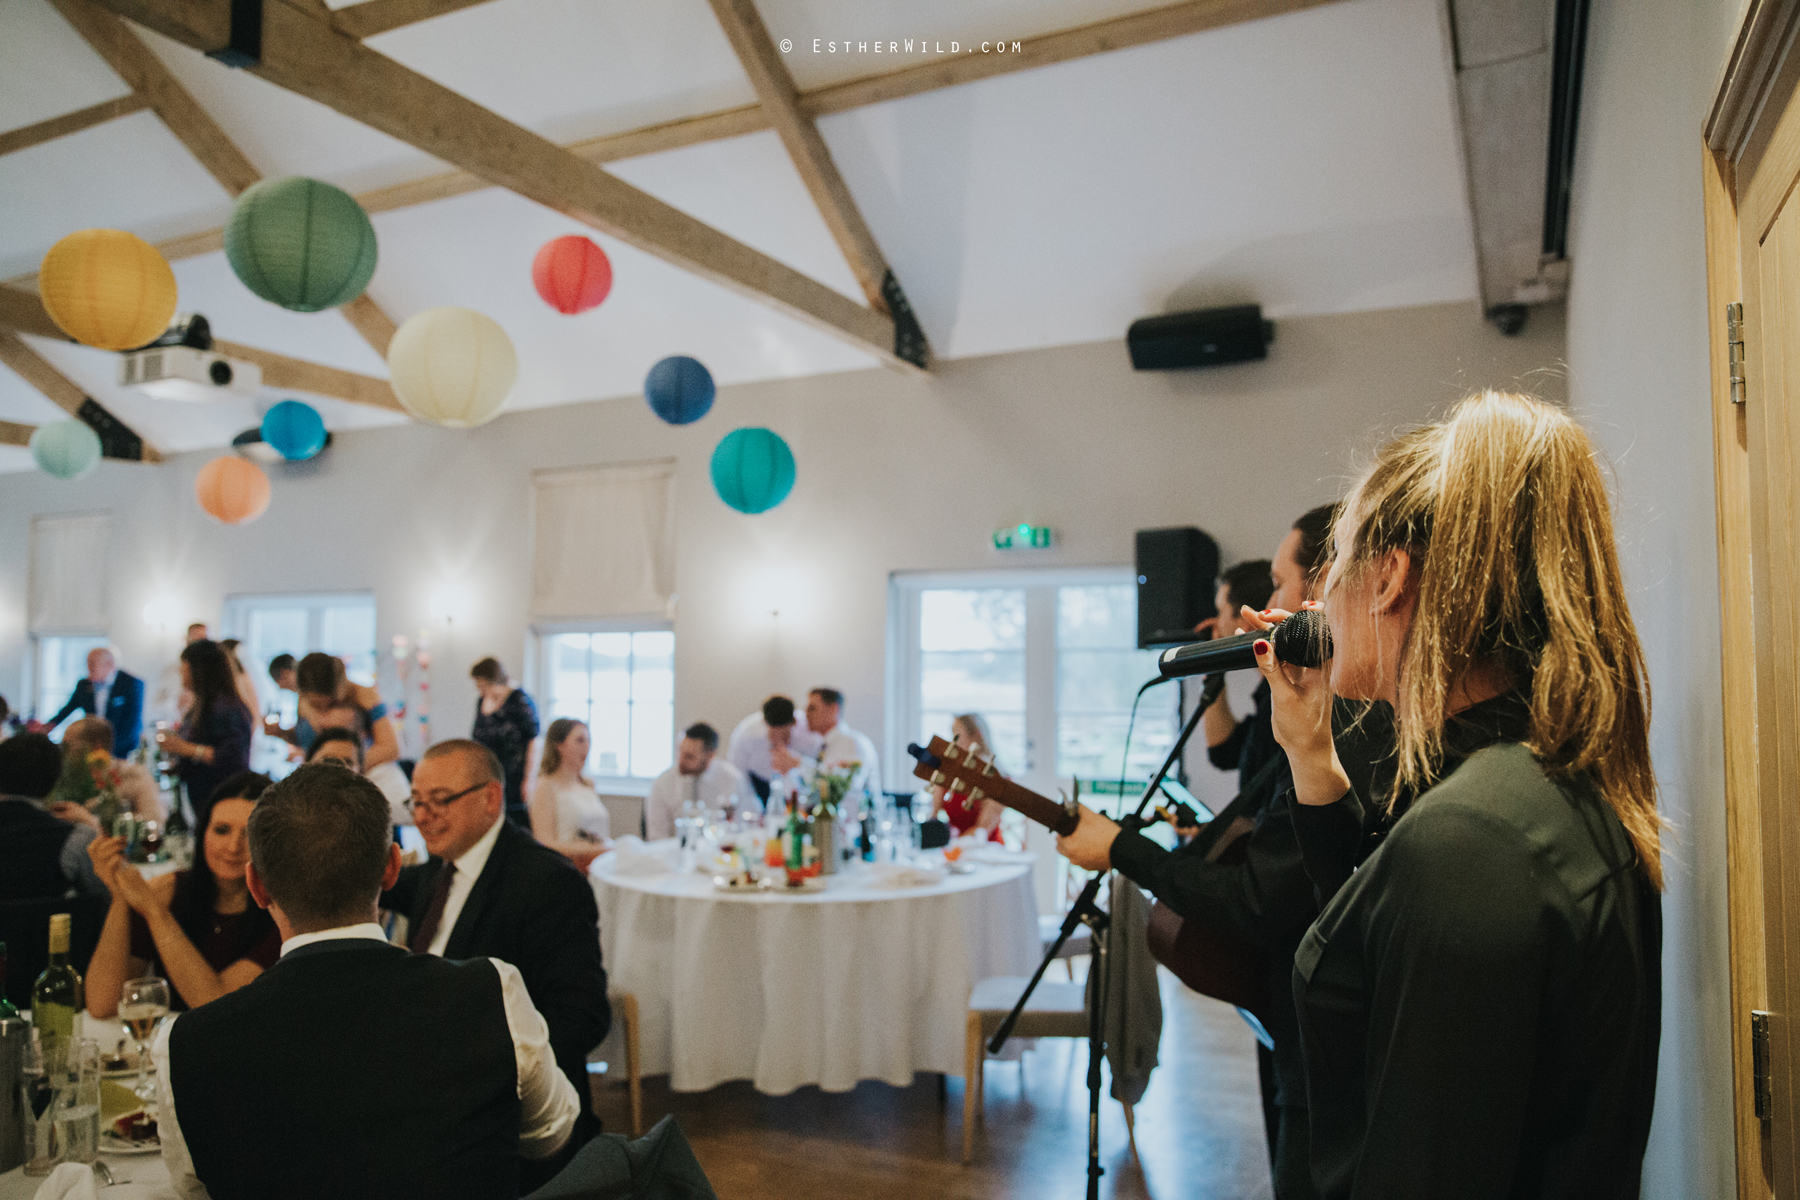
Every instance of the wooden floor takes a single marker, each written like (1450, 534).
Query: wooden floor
(1199, 1127)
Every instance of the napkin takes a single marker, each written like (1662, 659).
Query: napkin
(899, 875)
(631, 857)
(70, 1181)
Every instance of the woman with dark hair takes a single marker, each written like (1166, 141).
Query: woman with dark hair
(213, 743)
(506, 722)
(197, 928)
(329, 699)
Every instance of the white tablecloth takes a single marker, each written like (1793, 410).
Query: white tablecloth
(141, 1176)
(857, 982)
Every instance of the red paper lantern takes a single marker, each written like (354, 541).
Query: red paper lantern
(232, 489)
(572, 274)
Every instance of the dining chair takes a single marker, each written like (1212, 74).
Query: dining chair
(1055, 1010)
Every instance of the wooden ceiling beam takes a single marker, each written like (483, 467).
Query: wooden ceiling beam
(25, 312)
(65, 393)
(378, 16)
(306, 55)
(296, 374)
(780, 100)
(14, 140)
(12, 433)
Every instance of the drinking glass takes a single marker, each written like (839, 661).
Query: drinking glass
(37, 1090)
(78, 1103)
(142, 1004)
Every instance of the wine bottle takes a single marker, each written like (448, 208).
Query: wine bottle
(795, 836)
(56, 996)
(7, 1011)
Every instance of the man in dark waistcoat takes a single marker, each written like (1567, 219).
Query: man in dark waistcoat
(352, 1068)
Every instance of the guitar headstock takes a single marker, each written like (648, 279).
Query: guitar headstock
(945, 764)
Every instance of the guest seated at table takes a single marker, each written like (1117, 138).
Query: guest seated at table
(566, 813)
(87, 762)
(969, 732)
(350, 1068)
(491, 889)
(213, 743)
(698, 774)
(768, 744)
(329, 699)
(196, 928)
(39, 854)
(842, 744)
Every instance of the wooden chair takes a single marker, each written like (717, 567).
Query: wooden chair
(1055, 1010)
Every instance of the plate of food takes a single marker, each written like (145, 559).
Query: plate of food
(796, 887)
(133, 1133)
(743, 881)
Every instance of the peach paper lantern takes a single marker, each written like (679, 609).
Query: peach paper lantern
(233, 489)
(108, 289)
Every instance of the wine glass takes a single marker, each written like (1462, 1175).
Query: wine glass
(142, 1004)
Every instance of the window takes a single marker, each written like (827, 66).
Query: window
(61, 664)
(337, 623)
(621, 684)
(1049, 658)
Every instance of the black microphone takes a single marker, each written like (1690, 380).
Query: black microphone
(1304, 640)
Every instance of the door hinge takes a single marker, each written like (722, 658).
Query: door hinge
(1734, 349)
(1759, 1064)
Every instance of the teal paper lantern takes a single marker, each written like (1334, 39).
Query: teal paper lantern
(680, 389)
(294, 430)
(752, 470)
(65, 449)
(301, 243)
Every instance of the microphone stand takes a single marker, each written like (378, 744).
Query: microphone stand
(1086, 911)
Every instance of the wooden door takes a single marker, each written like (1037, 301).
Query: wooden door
(1752, 167)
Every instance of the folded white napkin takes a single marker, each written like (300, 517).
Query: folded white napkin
(631, 857)
(70, 1181)
(900, 875)
(998, 854)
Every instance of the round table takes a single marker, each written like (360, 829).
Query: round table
(829, 988)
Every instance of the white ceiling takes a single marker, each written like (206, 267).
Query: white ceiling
(1310, 162)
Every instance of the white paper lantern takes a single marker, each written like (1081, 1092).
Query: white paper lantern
(452, 366)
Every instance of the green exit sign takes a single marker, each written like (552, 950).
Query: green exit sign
(1022, 537)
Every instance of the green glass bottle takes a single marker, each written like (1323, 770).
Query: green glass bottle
(7, 1011)
(56, 997)
(795, 837)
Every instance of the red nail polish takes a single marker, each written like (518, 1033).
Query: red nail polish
(1260, 647)
(1265, 612)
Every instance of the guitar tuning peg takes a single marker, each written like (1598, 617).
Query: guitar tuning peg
(937, 779)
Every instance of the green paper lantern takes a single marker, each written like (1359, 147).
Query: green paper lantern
(65, 449)
(752, 470)
(301, 243)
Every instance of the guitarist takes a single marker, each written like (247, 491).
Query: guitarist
(1243, 874)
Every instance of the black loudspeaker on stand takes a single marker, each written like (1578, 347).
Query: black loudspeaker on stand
(1086, 911)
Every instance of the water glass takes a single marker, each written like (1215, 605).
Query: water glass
(78, 1103)
(37, 1091)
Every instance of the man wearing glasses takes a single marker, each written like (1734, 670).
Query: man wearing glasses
(490, 890)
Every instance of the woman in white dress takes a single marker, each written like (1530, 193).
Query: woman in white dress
(566, 813)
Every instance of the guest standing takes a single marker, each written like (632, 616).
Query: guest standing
(700, 775)
(329, 699)
(111, 693)
(566, 812)
(841, 744)
(1480, 999)
(969, 732)
(197, 928)
(214, 741)
(240, 678)
(506, 722)
(769, 744)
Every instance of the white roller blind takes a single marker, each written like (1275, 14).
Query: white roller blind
(69, 573)
(605, 541)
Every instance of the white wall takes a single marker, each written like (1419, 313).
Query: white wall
(1638, 359)
(895, 474)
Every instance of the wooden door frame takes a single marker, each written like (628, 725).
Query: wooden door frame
(1756, 82)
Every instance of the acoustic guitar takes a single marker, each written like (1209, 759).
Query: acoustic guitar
(1212, 962)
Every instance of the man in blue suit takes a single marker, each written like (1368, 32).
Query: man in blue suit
(111, 693)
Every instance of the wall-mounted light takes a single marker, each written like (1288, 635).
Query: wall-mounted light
(449, 603)
(162, 613)
(773, 590)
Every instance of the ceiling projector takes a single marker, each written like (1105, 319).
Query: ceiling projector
(186, 373)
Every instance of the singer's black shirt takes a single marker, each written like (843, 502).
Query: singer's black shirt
(1480, 1001)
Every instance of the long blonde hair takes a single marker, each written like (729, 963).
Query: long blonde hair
(554, 737)
(1504, 511)
(976, 726)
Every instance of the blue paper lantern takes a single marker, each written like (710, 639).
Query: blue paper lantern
(679, 389)
(294, 430)
(752, 470)
(65, 449)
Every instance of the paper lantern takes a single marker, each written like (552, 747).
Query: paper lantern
(571, 274)
(108, 288)
(233, 489)
(294, 430)
(65, 449)
(301, 243)
(752, 470)
(679, 389)
(452, 366)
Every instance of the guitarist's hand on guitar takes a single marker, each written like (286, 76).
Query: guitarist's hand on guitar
(1090, 846)
(1301, 716)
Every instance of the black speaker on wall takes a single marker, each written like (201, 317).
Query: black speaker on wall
(1206, 337)
(1177, 574)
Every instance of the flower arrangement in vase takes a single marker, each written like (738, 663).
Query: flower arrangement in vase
(830, 785)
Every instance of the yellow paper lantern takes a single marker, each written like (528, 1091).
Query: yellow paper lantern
(108, 288)
(452, 366)
(233, 489)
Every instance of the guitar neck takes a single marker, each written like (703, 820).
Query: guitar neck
(943, 765)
